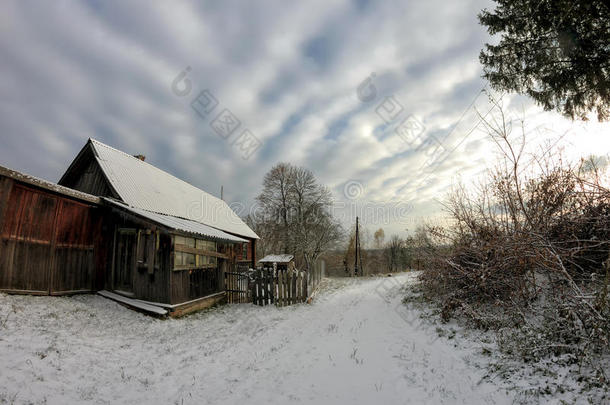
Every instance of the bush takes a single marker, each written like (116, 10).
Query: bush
(531, 253)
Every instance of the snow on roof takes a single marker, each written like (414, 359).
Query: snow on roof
(142, 185)
(180, 224)
(47, 185)
(277, 259)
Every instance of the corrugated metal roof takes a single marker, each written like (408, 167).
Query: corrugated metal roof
(142, 185)
(277, 259)
(180, 224)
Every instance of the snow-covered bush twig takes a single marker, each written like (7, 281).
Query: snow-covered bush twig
(529, 253)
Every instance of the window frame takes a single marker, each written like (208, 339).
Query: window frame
(203, 258)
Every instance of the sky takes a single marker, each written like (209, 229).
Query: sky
(380, 100)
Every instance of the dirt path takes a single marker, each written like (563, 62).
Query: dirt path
(355, 345)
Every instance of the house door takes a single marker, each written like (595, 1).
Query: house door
(125, 259)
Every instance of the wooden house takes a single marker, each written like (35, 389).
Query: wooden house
(159, 241)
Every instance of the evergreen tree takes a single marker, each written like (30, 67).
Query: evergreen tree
(555, 51)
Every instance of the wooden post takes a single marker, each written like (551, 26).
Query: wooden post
(285, 290)
(303, 287)
(274, 282)
(259, 287)
(243, 288)
(278, 301)
(253, 287)
(285, 287)
(264, 286)
(299, 291)
(270, 284)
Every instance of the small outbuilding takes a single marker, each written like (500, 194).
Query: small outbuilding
(280, 262)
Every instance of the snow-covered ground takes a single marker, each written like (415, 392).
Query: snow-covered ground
(356, 344)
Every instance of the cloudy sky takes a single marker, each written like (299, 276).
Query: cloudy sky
(378, 99)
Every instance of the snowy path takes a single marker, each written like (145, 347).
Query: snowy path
(355, 345)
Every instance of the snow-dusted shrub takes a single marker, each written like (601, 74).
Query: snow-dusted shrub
(530, 256)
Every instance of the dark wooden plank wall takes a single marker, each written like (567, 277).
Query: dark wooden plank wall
(86, 175)
(148, 287)
(155, 287)
(26, 240)
(103, 249)
(46, 242)
(188, 285)
(6, 185)
(74, 266)
(92, 181)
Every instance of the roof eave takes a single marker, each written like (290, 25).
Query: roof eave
(123, 208)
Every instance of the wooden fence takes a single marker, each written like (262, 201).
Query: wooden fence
(237, 287)
(281, 288)
(269, 286)
(315, 275)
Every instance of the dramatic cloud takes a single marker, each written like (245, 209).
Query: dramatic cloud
(290, 72)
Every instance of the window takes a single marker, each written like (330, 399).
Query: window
(148, 254)
(184, 259)
(206, 245)
(244, 251)
(144, 239)
(190, 253)
(188, 242)
(206, 260)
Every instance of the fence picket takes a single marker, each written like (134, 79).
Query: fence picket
(255, 287)
(267, 286)
(280, 287)
(302, 288)
(298, 287)
(271, 280)
(289, 287)
(293, 285)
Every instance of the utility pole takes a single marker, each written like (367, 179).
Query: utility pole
(222, 193)
(357, 245)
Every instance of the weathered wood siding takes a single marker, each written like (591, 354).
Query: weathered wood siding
(155, 287)
(6, 185)
(92, 181)
(148, 286)
(77, 227)
(46, 242)
(188, 285)
(86, 175)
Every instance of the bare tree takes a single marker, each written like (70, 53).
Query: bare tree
(393, 252)
(379, 238)
(296, 213)
(274, 199)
